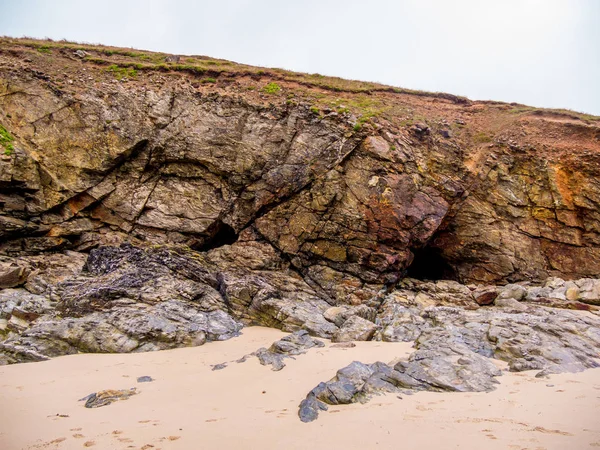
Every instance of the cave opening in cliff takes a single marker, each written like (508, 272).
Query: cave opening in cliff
(429, 264)
(220, 234)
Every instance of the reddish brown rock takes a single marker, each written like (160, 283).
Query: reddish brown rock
(486, 298)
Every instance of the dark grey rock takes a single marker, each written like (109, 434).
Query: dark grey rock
(145, 379)
(294, 344)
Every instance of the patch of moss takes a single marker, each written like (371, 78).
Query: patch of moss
(272, 88)
(186, 68)
(122, 72)
(6, 141)
(482, 137)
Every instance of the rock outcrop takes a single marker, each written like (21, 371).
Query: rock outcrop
(347, 197)
(149, 202)
(287, 347)
(455, 348)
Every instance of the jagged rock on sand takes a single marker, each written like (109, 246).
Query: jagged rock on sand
(105, 398)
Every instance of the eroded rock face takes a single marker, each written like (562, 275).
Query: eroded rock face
(127, 299)
(160, 160)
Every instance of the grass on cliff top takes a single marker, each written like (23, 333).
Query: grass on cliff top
(126, 62)
(146, 60)
(122, 72)
(6, 141)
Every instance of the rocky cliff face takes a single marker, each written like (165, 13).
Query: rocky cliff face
(288, 193)
(154, 158)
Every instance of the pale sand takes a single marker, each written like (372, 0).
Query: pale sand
(189, 406)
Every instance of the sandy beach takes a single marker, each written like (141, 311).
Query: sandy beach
(190, 406)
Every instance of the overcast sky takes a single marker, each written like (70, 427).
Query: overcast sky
(537, 52)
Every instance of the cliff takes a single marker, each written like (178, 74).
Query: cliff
(151, 200)
(108, 145)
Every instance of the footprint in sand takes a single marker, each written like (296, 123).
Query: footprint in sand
(412, 417)
(57, 440)
(75, 429)
(117, 432)
(78, 436)
(89, 443)
(546, 430)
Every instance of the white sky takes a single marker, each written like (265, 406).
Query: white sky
(536, 52)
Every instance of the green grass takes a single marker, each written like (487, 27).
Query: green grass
(482, 137)
(272, 88)
(367, 100)
(122, 72)
(6, 141)
(314, 110)
(209, 80)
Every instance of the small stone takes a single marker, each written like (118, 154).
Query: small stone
(486, 298)
(12, 276)
(572, 293)
(145, 379)
(355, 329)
